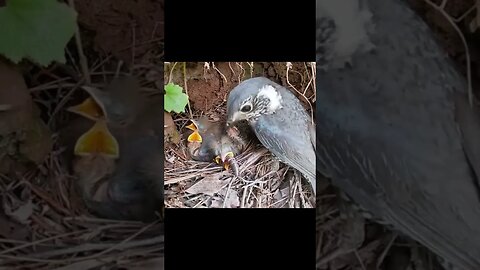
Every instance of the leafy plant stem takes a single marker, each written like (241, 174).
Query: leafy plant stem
(83, 59)
(186, 88)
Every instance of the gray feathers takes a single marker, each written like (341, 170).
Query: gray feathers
(285, 130)
(388, 135)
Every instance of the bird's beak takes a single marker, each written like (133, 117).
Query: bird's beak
(101, 98)
(89, 108)
(230, 121)
(97, 140)
(195, 136)
(192, 126)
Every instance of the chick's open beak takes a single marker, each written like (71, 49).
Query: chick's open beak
(97, 140)
(192, 126)
(195, 136)
(89, 108)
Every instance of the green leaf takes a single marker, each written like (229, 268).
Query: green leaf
(175, 100)
(36, 29)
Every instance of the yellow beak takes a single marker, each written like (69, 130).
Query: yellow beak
(97, 140)
(88, 108)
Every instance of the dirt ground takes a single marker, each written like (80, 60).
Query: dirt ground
(190, 183)
(43, 222)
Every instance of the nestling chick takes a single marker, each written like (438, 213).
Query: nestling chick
(213, 141)
(126, 136)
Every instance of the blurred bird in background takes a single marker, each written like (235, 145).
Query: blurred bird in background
(119, 150)
(396, 132)
(25, 140)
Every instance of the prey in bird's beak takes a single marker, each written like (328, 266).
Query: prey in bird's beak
(228, 160)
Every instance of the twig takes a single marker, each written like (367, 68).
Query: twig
(464, 41)
(122, 243)
(359, 259)
(289, 66)
(461, 17)
(99, 246)
(186, 87)
(221, 74)
(385, 251)
(81, 55)
(40, 241)
(171, 71)
(228, 191)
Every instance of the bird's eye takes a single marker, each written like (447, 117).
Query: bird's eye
(246, 108)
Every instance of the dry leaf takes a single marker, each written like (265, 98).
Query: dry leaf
(22, 213)
(232, 200)
(170, 130)
(209, 185)
(37, 143)
(216, 203)
(20, 120)
(14, 94)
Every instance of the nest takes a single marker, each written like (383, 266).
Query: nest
(263, 181)
(44, 223)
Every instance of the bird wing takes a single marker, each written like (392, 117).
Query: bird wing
(422, 185)
(291, 146)
(389, 138)
(469, 122)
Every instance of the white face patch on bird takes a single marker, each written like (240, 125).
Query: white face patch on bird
(352, 25)
(267, 101)
(272, 95)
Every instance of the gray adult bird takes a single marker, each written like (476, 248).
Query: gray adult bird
(279, 121)
(396, 131)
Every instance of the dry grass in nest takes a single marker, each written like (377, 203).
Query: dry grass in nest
(263, 181)
(43, 221)
(203, 184)
(44, 225)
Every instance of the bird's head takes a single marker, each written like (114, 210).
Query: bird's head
(343, 29)
(198, 126)
(120, 101)
(253, 98)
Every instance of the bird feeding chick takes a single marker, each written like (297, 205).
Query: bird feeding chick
(213, 141)
(279, 121)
